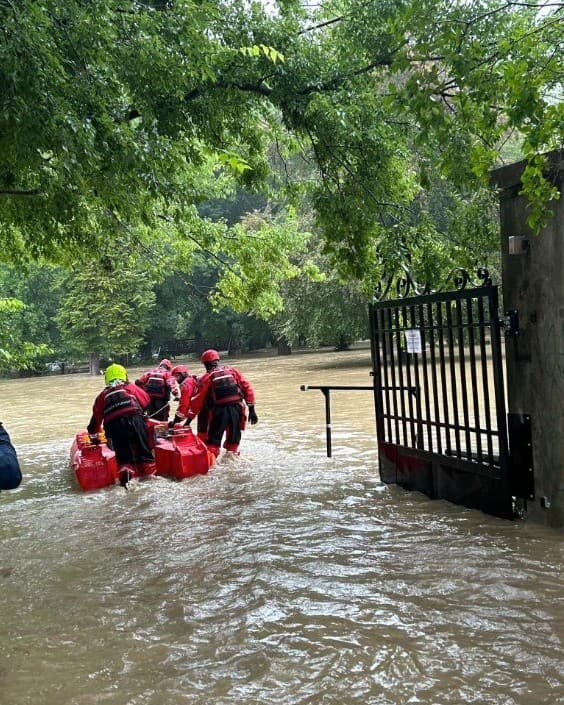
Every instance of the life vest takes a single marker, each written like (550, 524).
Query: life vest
(156, 385)
(223, 386)
(119, 402)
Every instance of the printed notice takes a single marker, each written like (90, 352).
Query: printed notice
(413, 340)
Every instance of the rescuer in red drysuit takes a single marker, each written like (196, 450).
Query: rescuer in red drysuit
(188, 384)
(159, 385)
(119, 407)
(224, 389)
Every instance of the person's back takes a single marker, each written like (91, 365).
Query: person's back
(224, 389)
(10, 473)
(159, 384)
(119, 407)
(187, 384)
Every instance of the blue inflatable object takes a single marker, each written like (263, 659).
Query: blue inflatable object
(10, 473)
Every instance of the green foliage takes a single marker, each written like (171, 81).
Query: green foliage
(541, 191)
(322, 312)
(119, 121)
(262, 49)
(319, 308)
(37, 286)
(15, 351)
(183, 311)
(29, 301)
(95, 125)
(262, 252)
(479, 71)
(105, 311)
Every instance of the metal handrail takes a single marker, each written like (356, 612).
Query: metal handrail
(326, 390)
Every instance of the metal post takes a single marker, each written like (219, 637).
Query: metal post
(326, 393)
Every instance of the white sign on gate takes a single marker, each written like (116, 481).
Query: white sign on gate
(413, 340)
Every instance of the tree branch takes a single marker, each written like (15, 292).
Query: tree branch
(313, 27)
(16, 192)
(168, 219)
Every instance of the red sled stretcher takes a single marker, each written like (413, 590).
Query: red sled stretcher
(179, 453)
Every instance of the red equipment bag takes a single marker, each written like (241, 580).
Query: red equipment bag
(181, 454)
(95, 465)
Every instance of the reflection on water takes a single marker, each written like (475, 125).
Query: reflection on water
(284, 577)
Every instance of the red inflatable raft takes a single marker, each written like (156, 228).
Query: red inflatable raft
(179, 453)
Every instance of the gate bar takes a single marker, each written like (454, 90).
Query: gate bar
(326, 389)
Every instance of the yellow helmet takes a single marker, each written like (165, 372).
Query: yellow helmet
(114, 372)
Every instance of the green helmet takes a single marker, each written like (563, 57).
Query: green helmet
(114, 372)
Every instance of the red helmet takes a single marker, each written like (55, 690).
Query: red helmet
(166, 363)
(180, 371)
(209, 356)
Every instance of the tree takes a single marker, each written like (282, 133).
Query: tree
(183, 310)
(323, 312)
(121, 118)
(15, 351)
(105, 312)
(259, 257)
(29, 300)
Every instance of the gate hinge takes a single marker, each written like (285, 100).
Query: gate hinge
(510, 322)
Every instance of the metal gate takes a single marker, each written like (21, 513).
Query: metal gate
(440, 398)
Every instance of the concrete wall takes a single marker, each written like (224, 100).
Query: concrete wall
(533, 283)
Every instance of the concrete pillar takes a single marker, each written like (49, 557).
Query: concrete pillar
(533, 284)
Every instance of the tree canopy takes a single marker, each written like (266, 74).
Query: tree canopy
(119, 115)
(15, 350)
(122, 122)
(103, 313)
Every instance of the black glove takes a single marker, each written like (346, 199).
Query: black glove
(94, 438)
(178, 419)
(172, 423)
(253, 418)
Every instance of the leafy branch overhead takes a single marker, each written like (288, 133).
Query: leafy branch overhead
(125, 116)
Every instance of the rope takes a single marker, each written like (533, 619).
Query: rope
(158, 411)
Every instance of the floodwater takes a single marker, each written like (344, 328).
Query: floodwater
(283, 577)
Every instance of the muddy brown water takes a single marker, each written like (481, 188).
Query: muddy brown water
(283, 578)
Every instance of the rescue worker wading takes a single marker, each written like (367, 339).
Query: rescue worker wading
(188, 385)
(224, 389)
(119, 407)
(159, 384)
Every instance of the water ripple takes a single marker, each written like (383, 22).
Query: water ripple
(284, 578)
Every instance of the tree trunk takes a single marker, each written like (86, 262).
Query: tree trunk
(342, 344)
(94, 363)
(283, 347)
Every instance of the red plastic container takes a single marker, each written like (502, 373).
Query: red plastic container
(182, 454)
(95, 466)
(178, 454)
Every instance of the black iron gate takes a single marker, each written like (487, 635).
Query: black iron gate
(440, 398)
